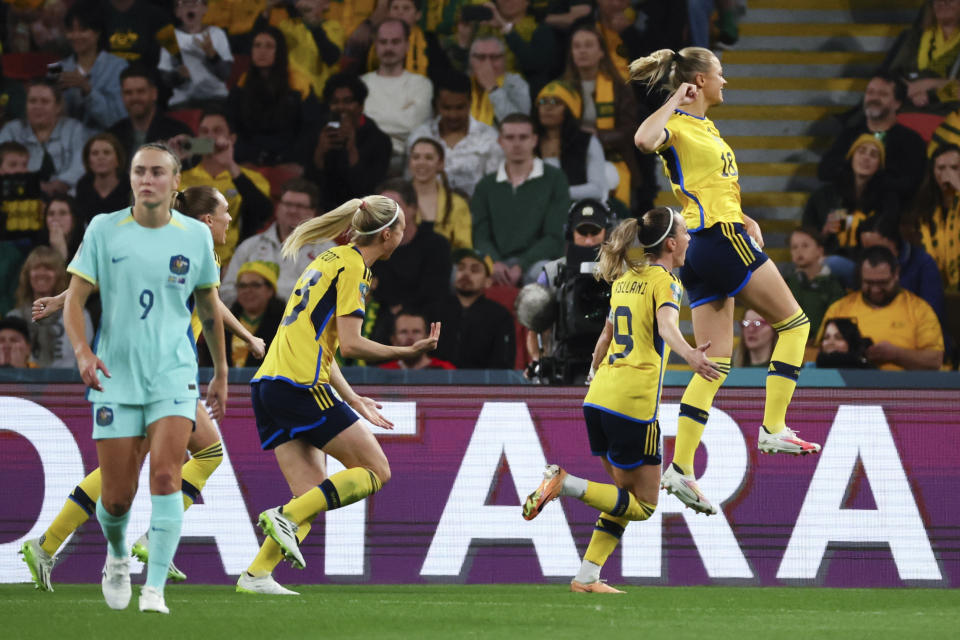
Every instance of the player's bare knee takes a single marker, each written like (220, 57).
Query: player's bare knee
(382, 469)
(164, 481)
(117, 506)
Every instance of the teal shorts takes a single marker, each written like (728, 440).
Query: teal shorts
(111, 420)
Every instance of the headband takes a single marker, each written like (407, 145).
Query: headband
(379, 229)
(676, 57)
(663, 237)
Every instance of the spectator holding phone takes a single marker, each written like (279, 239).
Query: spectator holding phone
(104, 187)
(351, 154)
(90, 78)
(247, 191)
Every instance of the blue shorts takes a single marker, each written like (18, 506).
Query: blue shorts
(719, 263)
(284, 412)
(627, 444)
(112, 420)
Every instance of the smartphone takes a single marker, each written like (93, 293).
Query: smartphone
(475, 13)
(54, 69)
(198, 146)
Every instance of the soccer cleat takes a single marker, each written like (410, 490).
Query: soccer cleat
(116, 582)
(265, 585)
(686, 489)
(141, 551)
(152, 600)
(785, 441)
(548, 490)
(600, 586)
(284, 533)
(39, 562)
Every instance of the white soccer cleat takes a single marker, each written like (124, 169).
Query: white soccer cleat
(265, 585)
(152, 600)
(116, 582)
(686, 490)
(786, 441)
(284, 533)
(39, 562)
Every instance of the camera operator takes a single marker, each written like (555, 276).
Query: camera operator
(562, 354)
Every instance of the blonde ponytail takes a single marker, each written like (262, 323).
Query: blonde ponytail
(365, 217)
(325, 227)
(616, 256)
(671, 67)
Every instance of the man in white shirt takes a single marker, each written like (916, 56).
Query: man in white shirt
(298, 203)
(399, 101)
(471, 148)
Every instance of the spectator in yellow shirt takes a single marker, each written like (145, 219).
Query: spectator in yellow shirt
(905, 331)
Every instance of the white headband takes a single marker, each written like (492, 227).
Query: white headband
(663, 237)
(379, 229)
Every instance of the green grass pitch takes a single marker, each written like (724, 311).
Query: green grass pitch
(489, 611)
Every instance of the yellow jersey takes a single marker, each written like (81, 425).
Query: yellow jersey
(702, 171)
(334, 284)
(629, 379)
(908, 322)
(224, 184)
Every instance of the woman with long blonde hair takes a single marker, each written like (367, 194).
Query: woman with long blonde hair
(725, 258)
(623, 404)
(298, 414)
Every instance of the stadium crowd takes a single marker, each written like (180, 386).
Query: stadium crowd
(485, 121)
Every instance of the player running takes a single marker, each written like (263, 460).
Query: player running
(303, 405)
(623, 401)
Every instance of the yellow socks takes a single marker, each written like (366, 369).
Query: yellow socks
(694, 411)
(619, 503)
(78, 508)
(270, 554)
(606, 536)
(339, 490)
(784, 369)
(198, 470)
